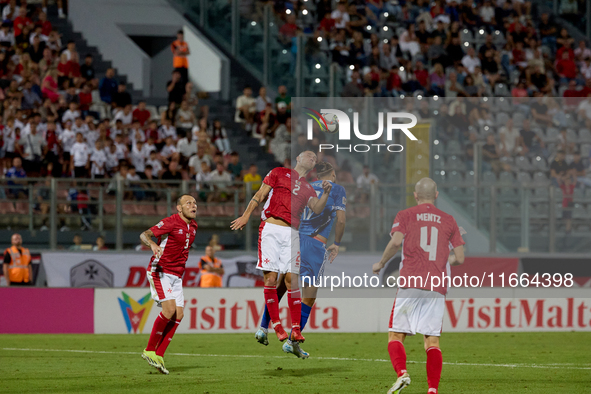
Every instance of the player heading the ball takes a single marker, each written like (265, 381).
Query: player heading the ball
(279, 241)
(428, 234)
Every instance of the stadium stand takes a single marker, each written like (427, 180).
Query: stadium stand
(463, 53)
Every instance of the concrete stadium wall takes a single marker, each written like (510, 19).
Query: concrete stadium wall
(107, 25)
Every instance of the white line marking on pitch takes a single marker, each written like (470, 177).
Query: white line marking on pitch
(548, 366)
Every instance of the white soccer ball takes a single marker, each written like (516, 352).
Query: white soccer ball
(332, 122)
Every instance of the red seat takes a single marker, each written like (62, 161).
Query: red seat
(94, 193)
(147, 209)
(6, 207)
(22, 207)
(129, 209)
(215, 210)
(229, 210)
(110, 209)
(161, 210)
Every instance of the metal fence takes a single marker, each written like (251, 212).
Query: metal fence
(526, 217)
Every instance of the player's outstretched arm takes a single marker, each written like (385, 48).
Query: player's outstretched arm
(317, 204)
(256, 200)
(391, 250)
(146, 238)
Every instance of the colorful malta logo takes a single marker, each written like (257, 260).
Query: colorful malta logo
(135, 312)
(328, 123)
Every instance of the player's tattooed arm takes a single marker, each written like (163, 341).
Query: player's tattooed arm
(317, 204)
(259, 197)
(146, 238)
(391, 250)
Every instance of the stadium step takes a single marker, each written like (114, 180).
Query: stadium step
(100, 65)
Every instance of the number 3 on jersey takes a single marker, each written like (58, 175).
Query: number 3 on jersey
(429, 246)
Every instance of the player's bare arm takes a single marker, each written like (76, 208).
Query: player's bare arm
(317, 204)
(339, 231)
(391, 250)
(457, 257)
(5, 272)
(256, 200)
(146, 238)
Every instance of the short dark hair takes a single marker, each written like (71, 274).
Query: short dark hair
(88, 55)
(323, 168)
(149, 167)
(178, 200)
(180, 32)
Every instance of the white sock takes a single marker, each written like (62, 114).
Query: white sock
(60, 11)
(265, 330)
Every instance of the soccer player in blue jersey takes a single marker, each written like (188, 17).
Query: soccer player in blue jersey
(314, 231)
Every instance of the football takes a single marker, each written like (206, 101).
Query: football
(332, 122)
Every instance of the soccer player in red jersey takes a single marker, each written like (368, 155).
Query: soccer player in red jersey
(428, 234)
(279, 242)
(165, 273)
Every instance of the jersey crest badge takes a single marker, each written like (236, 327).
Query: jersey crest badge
(159, 225)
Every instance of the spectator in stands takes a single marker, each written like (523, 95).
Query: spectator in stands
(253, 177)
(186, 147)
(77, 243)
(100, 244)
(262, 101)
(108, 86)
(491, 155)
(33, 145)
(577, 169)
(80, 154)
(558, 169)
(122, 98)
(87, 71)
(221, 182)
(49, 87)
(353, 88)
(141, 114)
(214, 242)
(509, 136)
(15, 172)
(280, 145)
(125, 115)
(133, 181)
(185, 117)
(212, 269)
(176, 88)
(567, 184)
(180, 51)
(172, 174)
(364, 182)
(219, 137)
(283, 97)
(202, 177)
(566, 68)
(21, 21)
(17, 263)
(246, 108)
(235, 166)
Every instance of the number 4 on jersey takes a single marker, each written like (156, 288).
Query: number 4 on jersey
(429, 247)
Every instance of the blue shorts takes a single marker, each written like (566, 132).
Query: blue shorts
(313, 256)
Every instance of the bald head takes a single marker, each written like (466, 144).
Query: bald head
(426, 190)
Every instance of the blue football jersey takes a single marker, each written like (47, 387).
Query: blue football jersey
(321, 224)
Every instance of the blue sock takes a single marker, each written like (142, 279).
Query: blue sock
(305, 315)
(266, 320)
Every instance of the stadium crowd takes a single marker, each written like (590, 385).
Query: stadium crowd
(59, 119)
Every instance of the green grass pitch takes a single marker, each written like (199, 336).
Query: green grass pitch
(339, 363)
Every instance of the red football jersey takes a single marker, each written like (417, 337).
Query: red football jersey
(288, 197)
(175, 247)
(429, 234)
